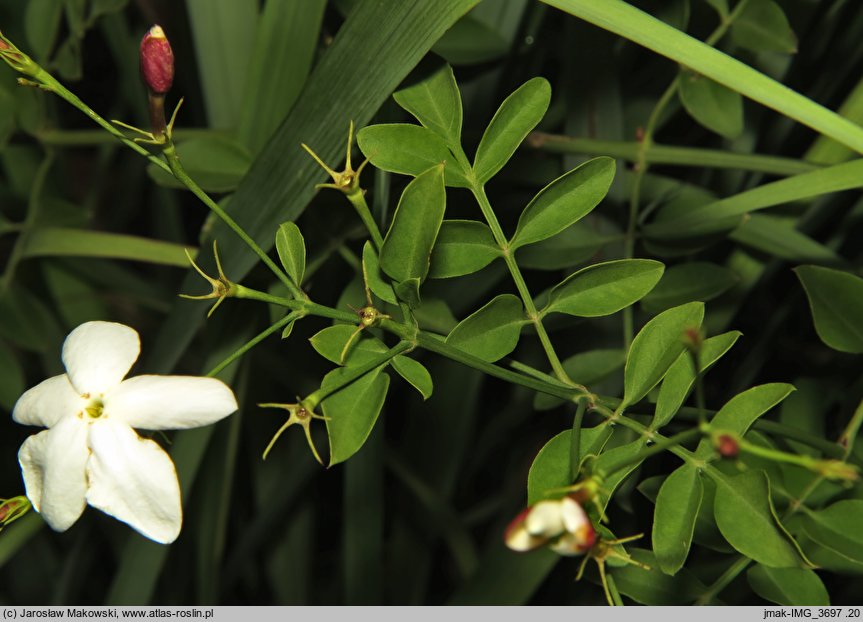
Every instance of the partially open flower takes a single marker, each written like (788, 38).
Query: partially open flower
(17, 59)
(90, 453)
(13, 509)
(561, 523)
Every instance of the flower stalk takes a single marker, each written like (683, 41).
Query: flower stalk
(347, 182)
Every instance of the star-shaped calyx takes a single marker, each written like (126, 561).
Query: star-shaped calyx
(348, 180)
(222, 287)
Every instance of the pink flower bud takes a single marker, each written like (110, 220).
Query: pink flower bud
(157, 61)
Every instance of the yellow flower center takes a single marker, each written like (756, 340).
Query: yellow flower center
(94, 408)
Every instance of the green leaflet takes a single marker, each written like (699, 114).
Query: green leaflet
(435, 101)
(744, 514)
(410, 150)
(763, 27)
(681, 376)
(292, 251)
(686, 282)
(652, 587)
(629, 452)
(656, 347)
(462, 247)
(604, 288)
(330, 344)
(550, 469)
(352, 411)
(836, 301)
(491, 332)
(373, 277)
(517, 116)
(742, 410)
(414, 373)
(714, 106)
(408, 244)
(837, 527)
(677, 506)
(788, 586)
(564, 201)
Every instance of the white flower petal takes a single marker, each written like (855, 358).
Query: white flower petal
(545, 519)
(518, 539)
(170, 402)
(133, 480)
(569, 544)
(53, 464)
(98, 355)
(47, 402)
(574, 516)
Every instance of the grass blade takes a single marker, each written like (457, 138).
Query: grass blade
(625, 20)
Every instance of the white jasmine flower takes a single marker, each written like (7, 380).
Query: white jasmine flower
(561, 523)
(91, 454)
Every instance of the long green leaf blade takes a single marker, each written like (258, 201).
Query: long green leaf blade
(627, 21)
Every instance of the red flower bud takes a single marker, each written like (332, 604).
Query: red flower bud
(727, 446)
(157, 61)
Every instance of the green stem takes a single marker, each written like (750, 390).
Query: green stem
(307, 307)
(849, 434)
(34, 204)
(53, 85)
(575, 441)
(170, 153)
(428, 341)
(352, 374)
(173, 166)
(828, 469)
(290, 317)
(642, 163)
(440, 347)
(768, 453)
(86, 138)
(358, 200)
(410, 334)
(723, 581)
(508, 256)
(828, 448)
(663, 445)
(665, 154)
